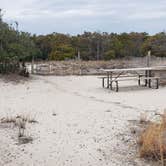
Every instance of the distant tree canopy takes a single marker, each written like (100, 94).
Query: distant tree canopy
(22, 46)
(100, 46)
(157, 44)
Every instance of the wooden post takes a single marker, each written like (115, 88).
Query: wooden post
(80, 68)
(148, 65)
(50, 68)
(32, 66)
(98, 50)
(148, 58)
(79, 56)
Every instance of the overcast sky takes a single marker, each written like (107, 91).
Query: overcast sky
(77, 16)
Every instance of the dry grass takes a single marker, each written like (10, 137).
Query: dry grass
(153, 140)
(20, 121)
(27, 118)
(15, 119)
(8, 119)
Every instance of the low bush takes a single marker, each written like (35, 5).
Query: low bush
(152, 141)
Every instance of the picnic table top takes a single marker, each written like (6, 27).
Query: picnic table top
(162, 68)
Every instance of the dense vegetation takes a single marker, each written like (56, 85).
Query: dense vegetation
(16, 46)
(99, 46)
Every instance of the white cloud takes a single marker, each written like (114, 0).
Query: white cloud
(148, 15)
(106, 15)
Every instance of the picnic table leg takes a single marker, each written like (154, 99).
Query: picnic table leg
(111, 85)
(103, 82)
(150, 73)
(157, 83)
(117, 86)
(149, 83)
(146, 75)
(139, 80)
(111, 81)
(108, 80)
(149, 80)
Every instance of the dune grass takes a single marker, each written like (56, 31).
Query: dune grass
(20, 121)
(152, 141)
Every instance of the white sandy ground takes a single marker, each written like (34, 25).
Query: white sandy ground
(90, 126)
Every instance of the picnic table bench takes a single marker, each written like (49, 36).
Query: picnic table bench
(118, 75)
(139, 79)
(127, 77)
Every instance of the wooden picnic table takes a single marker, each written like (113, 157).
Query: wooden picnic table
(115, 75)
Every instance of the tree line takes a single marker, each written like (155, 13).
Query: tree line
(99, 46)
(17, 46)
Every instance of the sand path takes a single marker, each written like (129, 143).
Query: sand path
(79, 122)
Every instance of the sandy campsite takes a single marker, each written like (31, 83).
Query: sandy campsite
(82, 83)
(78, 122)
